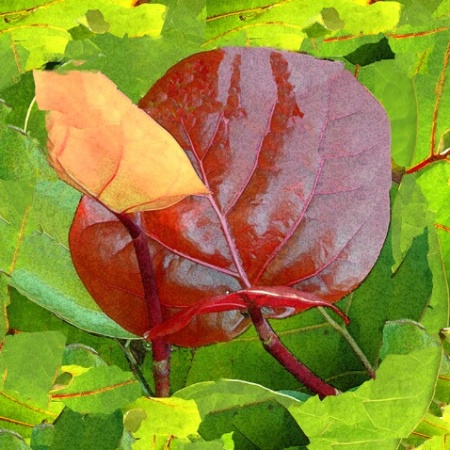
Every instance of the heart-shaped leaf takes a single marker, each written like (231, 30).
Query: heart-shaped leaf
(295, 153)
(104, 146)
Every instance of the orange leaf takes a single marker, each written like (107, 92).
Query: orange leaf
(105, 146)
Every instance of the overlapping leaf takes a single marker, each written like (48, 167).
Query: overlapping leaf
(134, 64)
(256, 416)
(40, 353)
(98, 140)
(286, 23)
(291, 159)
(35, 32)
(35, 214)
(380, 412)
(159, 420)
(25, 401)
(99, 431)
(384, 295)
(99, 390)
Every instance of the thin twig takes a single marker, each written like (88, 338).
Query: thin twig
(349, 338)
(27, 117)
(134, 366)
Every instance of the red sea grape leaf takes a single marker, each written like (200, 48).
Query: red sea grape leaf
(104, 257)
(295, 153)
(97, 140)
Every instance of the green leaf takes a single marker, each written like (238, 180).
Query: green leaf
(37, 31)
(404, 336)
(337, 47)
(442, 10)
(331, 19)
(74, 431)
(23, 112)
(279, 24)
(14, 58)
(96, 22)
(431, 427)
(4, 302)
(99, 390)
(216, 395)
(436, 315)
(434, 184)
(367, 19)
(284, 24)
(20, 416)
(127, 441)
(82, 355)
(51, 280)
(135, 64)
(410, 217)
(39, 354)
(259, 426)
(370, 53)
(418, 13)
(42, 436)
(15, 200)
(425, 59)
(435, 443)
(25, 315)
(391, 85)
(119, 21)
(152, 419)
(382, 296)
(380, 412)
(224, 443)
(12, 441)
(21, 159)
(20, 164)
(58, 290)
(257, 416)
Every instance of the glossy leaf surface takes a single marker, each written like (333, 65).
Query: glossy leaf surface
(113, 279)
(299, 172)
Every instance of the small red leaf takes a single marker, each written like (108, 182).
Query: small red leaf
(280, 298)
(295, 153)
(277, 301)
(182, 319)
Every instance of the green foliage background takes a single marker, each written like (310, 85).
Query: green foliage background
(64, 377)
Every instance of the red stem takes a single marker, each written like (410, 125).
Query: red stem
(160, 349)
(431, 159)
(272, 344)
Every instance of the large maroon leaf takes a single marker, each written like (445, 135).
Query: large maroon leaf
(103, 254)
(295, 153)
